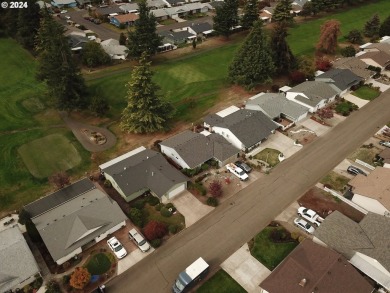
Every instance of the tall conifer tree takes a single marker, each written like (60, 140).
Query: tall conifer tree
(251, 13)
(226, 17)
(284, 59)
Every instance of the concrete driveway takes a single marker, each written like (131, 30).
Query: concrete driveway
(279, 142)
(190, 207)
(355, 100)
(382, 87)
(318, 128)
(245, 269)
(131, 259)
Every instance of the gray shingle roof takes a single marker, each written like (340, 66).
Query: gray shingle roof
(311, 101)
(354, 64)
(382, 58)
(315, 89)
(342, 78)
(201, 27)
(108, 10)
(59, 197)
(145, 170)
(195, 148)
(176, 36)
(250, 127)
(77, 222)
(276, 104)
(370, 237)
(17, 262)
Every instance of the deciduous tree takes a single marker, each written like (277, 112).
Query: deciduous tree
(251, 13)
(93, 55)
(226, 17)
(282, 12)
(284, 59)
(79, 278)
(146, 111)
(155, 230)
(371, 28)
(252, 64)
(355, 37)
(384, 29)
(323, 64)
(330, 31)
(215, 188)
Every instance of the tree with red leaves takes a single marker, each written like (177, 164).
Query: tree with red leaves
(79, 278)
(297, 77)
(325, 113)
(330, 31)
(155, 230)
(323, 64)
(59, 179)
(215, 188)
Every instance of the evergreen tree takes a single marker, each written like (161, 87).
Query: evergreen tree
(371, 28)
(8, 22)
(384, 29)
(317, 6)
(251, 14)
(355, 37)
(122, 39)
(282, 12)
(146, 111)
(284, 59)
(57, 68)
(252, 64)
(226, 17)
(144, 37)
(307, 9)
(28, 24)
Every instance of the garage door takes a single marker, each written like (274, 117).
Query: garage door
(177, 190)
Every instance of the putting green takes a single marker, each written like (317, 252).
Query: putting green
(48, 155)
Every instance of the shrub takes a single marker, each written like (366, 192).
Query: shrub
(53, 287)
(65, 279)
(212, 201)
(325, 113)
(139, 204)
(165, 212)
(156, 243)
(159, 206)
(173, 229)
(275, 88)
(205, 166)
(99, 106)
(355, 37)
(297, 77)
(323, 64)
(136, 217)
(278, 235)
(79, 278)
(348, 51)
(215, 188)
(107, 183)
(152, 200)
(171, 206)
(201, 177)
(294, 235)
(154, 230)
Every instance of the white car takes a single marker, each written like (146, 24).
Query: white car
(139, 240)
(310, 215)
(304, 225)
(237, 171)
(63, 11)
(117, 247)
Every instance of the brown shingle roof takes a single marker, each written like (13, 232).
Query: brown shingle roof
(382, 58)
(385, 155)
(354, 64)
(314, 268)
(123, 18)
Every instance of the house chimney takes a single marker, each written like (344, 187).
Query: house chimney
(302, 283)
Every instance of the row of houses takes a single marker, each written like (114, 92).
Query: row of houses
(267, 12)
(153, 4)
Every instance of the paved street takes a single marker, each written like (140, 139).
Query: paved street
(220, 233)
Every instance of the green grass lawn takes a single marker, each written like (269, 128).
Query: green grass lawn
(268, 252)
(221, 282)
(345, 108)
(270, 156)
(98, 264)
(152, 215)
(303, 38)
(48, 155)
(366, 93)
(335, 181)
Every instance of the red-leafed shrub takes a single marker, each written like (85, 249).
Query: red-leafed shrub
(323, 64)
(155, 230)
(215, 188)
(297, 77)
(325, 113)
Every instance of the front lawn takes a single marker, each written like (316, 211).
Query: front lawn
(270, 156)
(98, 264)
(221, 282)
(345, 108)
(269, 252)
(152, 215)
(167, 21)
(366, 93)
(366, 155)
(335, 181)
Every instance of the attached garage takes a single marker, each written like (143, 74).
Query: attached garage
(179, 188)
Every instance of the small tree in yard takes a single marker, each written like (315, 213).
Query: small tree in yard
(323, 64)
(79, 278)
(371, 28)
(122, 39)
(348, 51)
(99, 106)
(355, 37)
(155, 230)
(59, 179)
(384, 29)
(330, 31)
(215, 188)
(325, 113)
(135, 216)
(297, 77)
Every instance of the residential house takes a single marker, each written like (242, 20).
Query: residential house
(201, 30)
(129, 8)
(142, 170)
(372, 192)
(160, 14)
(156, 4)
(18, 266)
(385, 39)
(312, 94)
(281, 110)
(116, 51)
(74, 218)
(43, 4)
(124, 19)
(313, 268)
(190, 150)
(375, 58)
(77, 41)
(108, 11)
(376, 47)
(385, 157)
(297, 6)
(341, 79)
(64, 3)
(177, 38)
(197, 7)
(266, 14)
(173, 3)
(244, 129)
(354, 64)
(364, 244)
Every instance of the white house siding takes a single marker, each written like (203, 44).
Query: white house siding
(171, 153)
(112, 230)
(303, 116)
(369, 204)
(69, 256)
(229, 136)
(117, 188)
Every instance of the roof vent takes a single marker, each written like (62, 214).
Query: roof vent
(147, 157)
(152, 173)
(303, 282)
(124, 168)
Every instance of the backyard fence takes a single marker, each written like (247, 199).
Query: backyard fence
(347, 201)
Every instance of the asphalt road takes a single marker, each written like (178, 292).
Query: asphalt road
(237, 220)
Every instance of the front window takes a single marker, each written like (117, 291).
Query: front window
(308, 226)
(241, 173)
(179, 285)
(142, 242)
(118, 248)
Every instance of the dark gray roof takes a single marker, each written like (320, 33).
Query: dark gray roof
(276, 104)
(176, 36)
(354, 64)
(341, 78)
(250, 127)
(77, 222)
(77, 41)
(109, 10)
(59, 197)
(315, 89)
(201, 27)
(370, 237)
(195, 148)
(175, 2)
(145, 170)
(17, 262)
(311, 101)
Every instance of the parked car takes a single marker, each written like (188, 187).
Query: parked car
(67, 17)
(385, 143)
(64, 11)
(139, 240)
(243, 166)
(355, 171)
(87, 18)
(117, 247)
(91, 19)
(304, 225)
(310, 215)
(97, 21)
(237, 171)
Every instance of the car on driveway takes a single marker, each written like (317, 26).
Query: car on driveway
(355, 171)
(385, 143)
(243, 166)
(304, 225)
(310, 216)
(139, 240)
(117, 247)
(64, 11)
